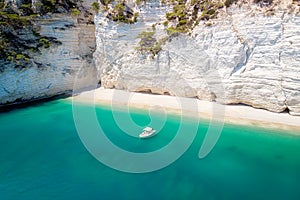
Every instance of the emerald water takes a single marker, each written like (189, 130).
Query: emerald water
(42, 157)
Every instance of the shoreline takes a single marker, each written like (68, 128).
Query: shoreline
(231, 114)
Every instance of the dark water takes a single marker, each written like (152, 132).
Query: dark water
(42, 157)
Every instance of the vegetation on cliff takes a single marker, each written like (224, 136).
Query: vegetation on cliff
(95, 6)
(19, 34)
(186, 15)
(117, 11)
(149, 43)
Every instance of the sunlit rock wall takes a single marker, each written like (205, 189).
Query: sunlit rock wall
(244, 56)
(56, 69)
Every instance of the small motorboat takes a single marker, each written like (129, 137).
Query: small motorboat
(147, 132)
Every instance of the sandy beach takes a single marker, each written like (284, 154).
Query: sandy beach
(234, 114)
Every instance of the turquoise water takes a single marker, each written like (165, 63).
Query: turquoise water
(42, 157)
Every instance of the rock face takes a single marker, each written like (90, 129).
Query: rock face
(54, 70)
(243, 56)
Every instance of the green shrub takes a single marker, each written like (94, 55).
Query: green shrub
(119, 14)
(95, 7)
(172, 30)
(75, 11)
(229, 2)
(165, 23)
(2, 4)
(170, 15)
(47, 6)
(149, 44)
(187, 14)
(20, 57)
(10, 58)
(44, 42)
(182, 22)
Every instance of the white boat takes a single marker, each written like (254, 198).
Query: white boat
(147, 132)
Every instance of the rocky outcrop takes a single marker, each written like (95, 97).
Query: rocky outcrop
(245, 56)
(55, 69)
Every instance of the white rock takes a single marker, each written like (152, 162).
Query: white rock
(245, 57)
(59, 69)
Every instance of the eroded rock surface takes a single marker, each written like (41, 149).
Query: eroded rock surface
(244, 56)
(55, 69)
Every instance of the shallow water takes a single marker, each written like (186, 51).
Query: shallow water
(42, 157)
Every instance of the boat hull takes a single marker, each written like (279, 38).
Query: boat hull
(148, 135)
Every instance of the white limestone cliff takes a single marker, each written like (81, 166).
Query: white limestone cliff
(54, 70)
(245, 56)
